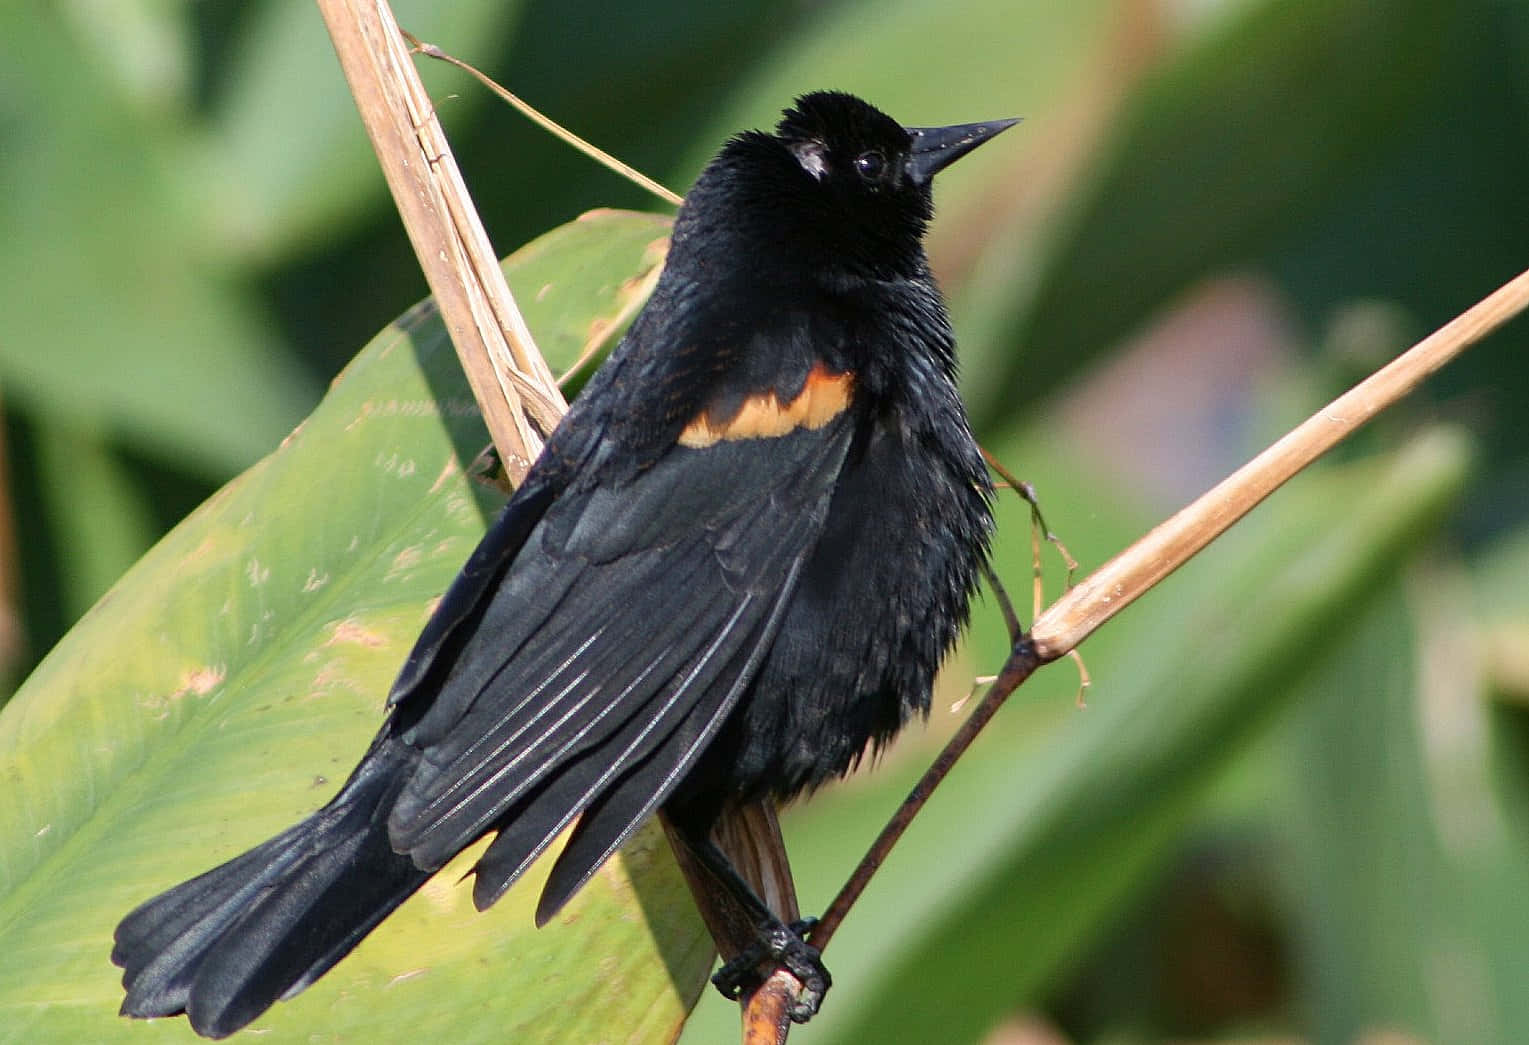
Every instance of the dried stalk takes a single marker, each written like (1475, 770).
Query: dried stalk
(1128, 576)
(510, 380)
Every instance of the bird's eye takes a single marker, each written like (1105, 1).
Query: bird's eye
(870, 165)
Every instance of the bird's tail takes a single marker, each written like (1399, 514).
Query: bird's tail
(226, 945)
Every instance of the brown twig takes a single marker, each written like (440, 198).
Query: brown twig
(1022, 662)
(1118, 583)
(511, 382)
(750, 836)
(552, 127)
(1123, 579)
(767, 1012)
(1026, 492)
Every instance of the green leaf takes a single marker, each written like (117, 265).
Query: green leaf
(226, 685)
(120, 319)
(581, 303)
(93, 509)
(295, 160)
(1356, 762)
(1243, 136)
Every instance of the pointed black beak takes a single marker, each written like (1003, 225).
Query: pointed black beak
(935, 148)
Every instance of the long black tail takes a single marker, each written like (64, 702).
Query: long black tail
(225, 946)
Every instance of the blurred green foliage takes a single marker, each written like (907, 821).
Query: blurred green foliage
(1298, 802)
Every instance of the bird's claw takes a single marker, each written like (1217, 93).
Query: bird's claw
(783, 946)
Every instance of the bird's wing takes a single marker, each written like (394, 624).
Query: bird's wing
(454, 617)
(605, 646)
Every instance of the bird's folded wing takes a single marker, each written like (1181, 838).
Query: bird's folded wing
(609, 651)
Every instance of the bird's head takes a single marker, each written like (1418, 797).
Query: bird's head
(839, 184)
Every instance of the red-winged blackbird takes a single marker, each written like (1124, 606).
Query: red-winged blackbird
(737, 564)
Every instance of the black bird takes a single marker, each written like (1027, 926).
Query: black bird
(736, 565)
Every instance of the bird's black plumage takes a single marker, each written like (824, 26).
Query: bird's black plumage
(736, 565)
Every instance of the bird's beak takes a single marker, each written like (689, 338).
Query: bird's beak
(935, 148)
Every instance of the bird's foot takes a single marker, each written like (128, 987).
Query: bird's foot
(783, 946)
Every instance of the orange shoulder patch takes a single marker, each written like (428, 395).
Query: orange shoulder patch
(824, 397)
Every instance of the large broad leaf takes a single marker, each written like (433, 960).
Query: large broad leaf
(226, 685)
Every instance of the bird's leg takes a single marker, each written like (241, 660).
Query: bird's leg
(774, 942)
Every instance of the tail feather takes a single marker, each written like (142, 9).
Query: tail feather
(161, 944)
(228, 944)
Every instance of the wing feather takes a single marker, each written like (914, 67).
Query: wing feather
(532, 825)
(623, 807)
(622, 641)
(464, 598)
(497, 752)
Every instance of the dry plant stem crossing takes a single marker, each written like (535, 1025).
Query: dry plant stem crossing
(1123, 579)
(552, 127)
(511, 382)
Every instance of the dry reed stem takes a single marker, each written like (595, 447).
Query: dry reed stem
(1173, 542)
(1118, 583)
(510, 380)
